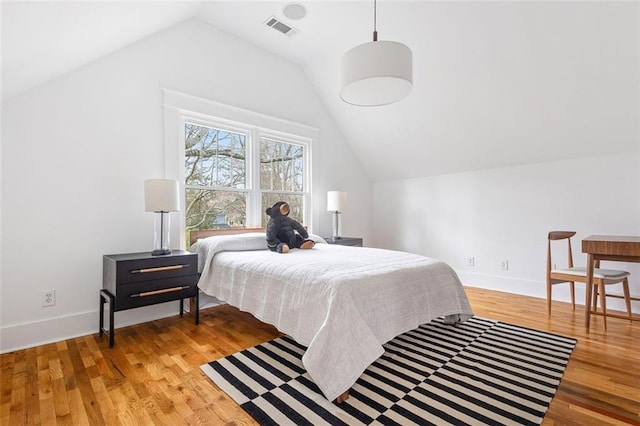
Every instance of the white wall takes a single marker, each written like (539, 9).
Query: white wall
(76, 150)
(506, 213)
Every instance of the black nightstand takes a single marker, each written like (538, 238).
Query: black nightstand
(133, 280)
(345, 241)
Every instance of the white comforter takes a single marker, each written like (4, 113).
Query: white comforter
(341, 302)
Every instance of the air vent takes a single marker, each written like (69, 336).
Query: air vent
(280, 26)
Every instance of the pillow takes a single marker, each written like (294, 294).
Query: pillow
(317, 238)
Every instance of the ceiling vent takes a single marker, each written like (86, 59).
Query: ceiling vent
(280, 26)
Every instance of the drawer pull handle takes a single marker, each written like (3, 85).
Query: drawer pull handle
(158, 269)
(164, 290)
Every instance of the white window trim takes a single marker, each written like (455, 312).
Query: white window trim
(180, 108)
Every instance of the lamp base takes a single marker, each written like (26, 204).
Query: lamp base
(337, 225)
(160, 252)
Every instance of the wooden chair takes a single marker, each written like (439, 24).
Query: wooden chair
(571, 274)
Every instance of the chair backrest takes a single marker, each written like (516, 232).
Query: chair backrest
(555, 236)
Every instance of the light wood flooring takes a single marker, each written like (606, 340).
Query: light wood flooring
(152, 374)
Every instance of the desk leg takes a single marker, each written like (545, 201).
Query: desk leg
(589, 291)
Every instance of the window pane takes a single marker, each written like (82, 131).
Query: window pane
(214, 157)
(281, 166)
(217, 171)
(207, 209)
(296, 202)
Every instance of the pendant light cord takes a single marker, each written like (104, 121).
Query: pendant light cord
(375, 30)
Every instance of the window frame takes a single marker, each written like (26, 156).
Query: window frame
(180, 109)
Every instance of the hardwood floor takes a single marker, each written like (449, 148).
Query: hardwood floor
(152, 374)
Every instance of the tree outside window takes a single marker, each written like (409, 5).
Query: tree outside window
(217, 176)
(282, 176)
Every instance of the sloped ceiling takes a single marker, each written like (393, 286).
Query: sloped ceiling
(496, 84)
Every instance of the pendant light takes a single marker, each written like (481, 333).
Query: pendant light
(376, 73)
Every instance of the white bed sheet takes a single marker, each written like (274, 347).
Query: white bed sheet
(341, 302)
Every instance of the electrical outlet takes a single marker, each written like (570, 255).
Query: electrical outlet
(471, 261)
(504, 265)
(48, 298)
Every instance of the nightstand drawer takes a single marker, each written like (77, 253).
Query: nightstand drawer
(146, 293)
(123, 269)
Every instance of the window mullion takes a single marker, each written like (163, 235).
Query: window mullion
(254, 206)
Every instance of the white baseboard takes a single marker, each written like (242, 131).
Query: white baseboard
(531, 288)
(27, 335)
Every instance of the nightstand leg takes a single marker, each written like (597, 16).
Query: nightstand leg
(181, 306)
(104, 294)
(111, 326)
(101, 329)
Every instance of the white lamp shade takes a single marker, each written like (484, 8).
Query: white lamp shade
(376, 73)
(161, 195)
(336, 201)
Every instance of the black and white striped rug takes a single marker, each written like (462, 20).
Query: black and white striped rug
(484, 372)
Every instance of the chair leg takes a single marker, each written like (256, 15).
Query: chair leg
(595, 298)
(548, 297)
(627, 297)
(603, 302)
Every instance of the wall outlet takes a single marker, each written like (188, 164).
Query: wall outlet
(48, 298)
(504, 265)
(471, 261)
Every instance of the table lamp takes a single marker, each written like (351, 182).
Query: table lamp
(161, 196)
(336, 203)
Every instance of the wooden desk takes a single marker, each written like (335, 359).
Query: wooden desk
(606, 247)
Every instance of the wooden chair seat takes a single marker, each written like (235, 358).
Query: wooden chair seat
(603, 274)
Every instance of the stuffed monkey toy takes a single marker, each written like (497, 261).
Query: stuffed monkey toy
(284, 233)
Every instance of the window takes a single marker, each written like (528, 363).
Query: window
(234, 163)
(226, 186)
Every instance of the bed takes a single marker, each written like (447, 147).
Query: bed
(342, 303)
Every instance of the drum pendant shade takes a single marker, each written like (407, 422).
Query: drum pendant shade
(376, 73)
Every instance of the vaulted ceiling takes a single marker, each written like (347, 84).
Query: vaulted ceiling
(496, 84)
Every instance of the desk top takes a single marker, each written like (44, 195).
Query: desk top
(615, 245)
